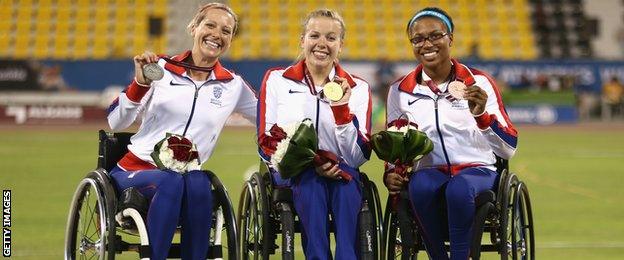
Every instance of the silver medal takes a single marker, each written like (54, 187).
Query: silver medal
(153, 72)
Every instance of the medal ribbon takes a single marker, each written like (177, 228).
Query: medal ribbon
(188, 65)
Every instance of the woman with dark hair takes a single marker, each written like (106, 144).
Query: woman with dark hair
(461, 111)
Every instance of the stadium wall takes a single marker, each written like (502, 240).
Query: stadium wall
(90, 75)
(96, 83)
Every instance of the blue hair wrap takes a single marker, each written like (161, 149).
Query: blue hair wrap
(438, 15)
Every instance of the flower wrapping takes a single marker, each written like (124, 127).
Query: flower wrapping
(177, 153)
(401, 144)
(296, 149)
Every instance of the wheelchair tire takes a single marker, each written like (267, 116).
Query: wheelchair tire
(506, 200)
(254, 226)
(91, 225)
(379, 223)
(395, 237)
(521, 236)
(374, 229)
(287, 221)
(224, 202)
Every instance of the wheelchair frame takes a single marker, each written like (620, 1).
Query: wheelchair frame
(506, 215)
(265, 211)
(92, 226)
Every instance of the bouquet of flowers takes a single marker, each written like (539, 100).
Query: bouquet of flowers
(177, 153)
(294, 148)
(401, 144)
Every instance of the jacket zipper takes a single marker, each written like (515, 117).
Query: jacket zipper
(317, 115)
(437, 118)
(192, 109)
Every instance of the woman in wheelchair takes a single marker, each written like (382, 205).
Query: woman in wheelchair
(461, 111)
(192, 101)
(343, 125)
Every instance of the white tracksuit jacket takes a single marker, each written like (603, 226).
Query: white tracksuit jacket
(286, 98)
(459, 139)
(167, 105)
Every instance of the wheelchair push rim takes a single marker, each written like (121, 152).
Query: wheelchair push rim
(522, 238)
(395, 240)
(86, 234)
(253, 226)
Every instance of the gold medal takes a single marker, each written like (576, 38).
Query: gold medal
(333, 91)
(457, 89)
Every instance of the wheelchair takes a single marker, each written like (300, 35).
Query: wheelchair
(505, 214)
(266, 212)
(98, 214)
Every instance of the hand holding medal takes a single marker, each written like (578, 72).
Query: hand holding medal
(457, 89)
(146, 69)
(476, 97)
(337, 91)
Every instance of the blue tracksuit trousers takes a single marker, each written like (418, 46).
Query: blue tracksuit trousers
(174, 199)
(314, 198)
(427, 189)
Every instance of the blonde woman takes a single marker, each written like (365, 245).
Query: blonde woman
(343, 126)
(193, 99)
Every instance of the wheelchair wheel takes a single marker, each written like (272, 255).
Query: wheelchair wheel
(400, 234)
(287, 221)
(254, 220)
(508, 211)
(521, 235)
(90, 225)
(225, 216)
(371, 237)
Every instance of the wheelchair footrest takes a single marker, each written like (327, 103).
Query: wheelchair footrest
(131, 198)
(214, 251)
(485, 197)
(282, 195)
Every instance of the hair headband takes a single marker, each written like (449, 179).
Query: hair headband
(434, 14)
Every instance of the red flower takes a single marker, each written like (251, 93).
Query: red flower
(268, 143)
(401, 122)
(181, 148)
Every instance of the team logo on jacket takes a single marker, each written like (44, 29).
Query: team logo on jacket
(217, 91)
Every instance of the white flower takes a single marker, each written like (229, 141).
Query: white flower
(282, 146)
(402, 129)
(167, 159)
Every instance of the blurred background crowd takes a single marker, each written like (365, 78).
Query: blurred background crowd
(558, 61)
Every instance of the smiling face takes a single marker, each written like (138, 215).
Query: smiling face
(213, 35)
(321, 41)
(431, 53)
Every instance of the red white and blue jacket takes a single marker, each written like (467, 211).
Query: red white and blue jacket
(286, 98)
(175, 104)
(460, 139)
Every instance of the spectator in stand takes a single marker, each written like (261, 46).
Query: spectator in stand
(384, 76)
(612, 95)
(51, 79)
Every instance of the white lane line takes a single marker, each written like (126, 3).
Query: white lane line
(564, 244)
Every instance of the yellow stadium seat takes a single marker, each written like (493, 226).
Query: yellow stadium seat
(5, 40)
(61, 46)
(81, 48)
